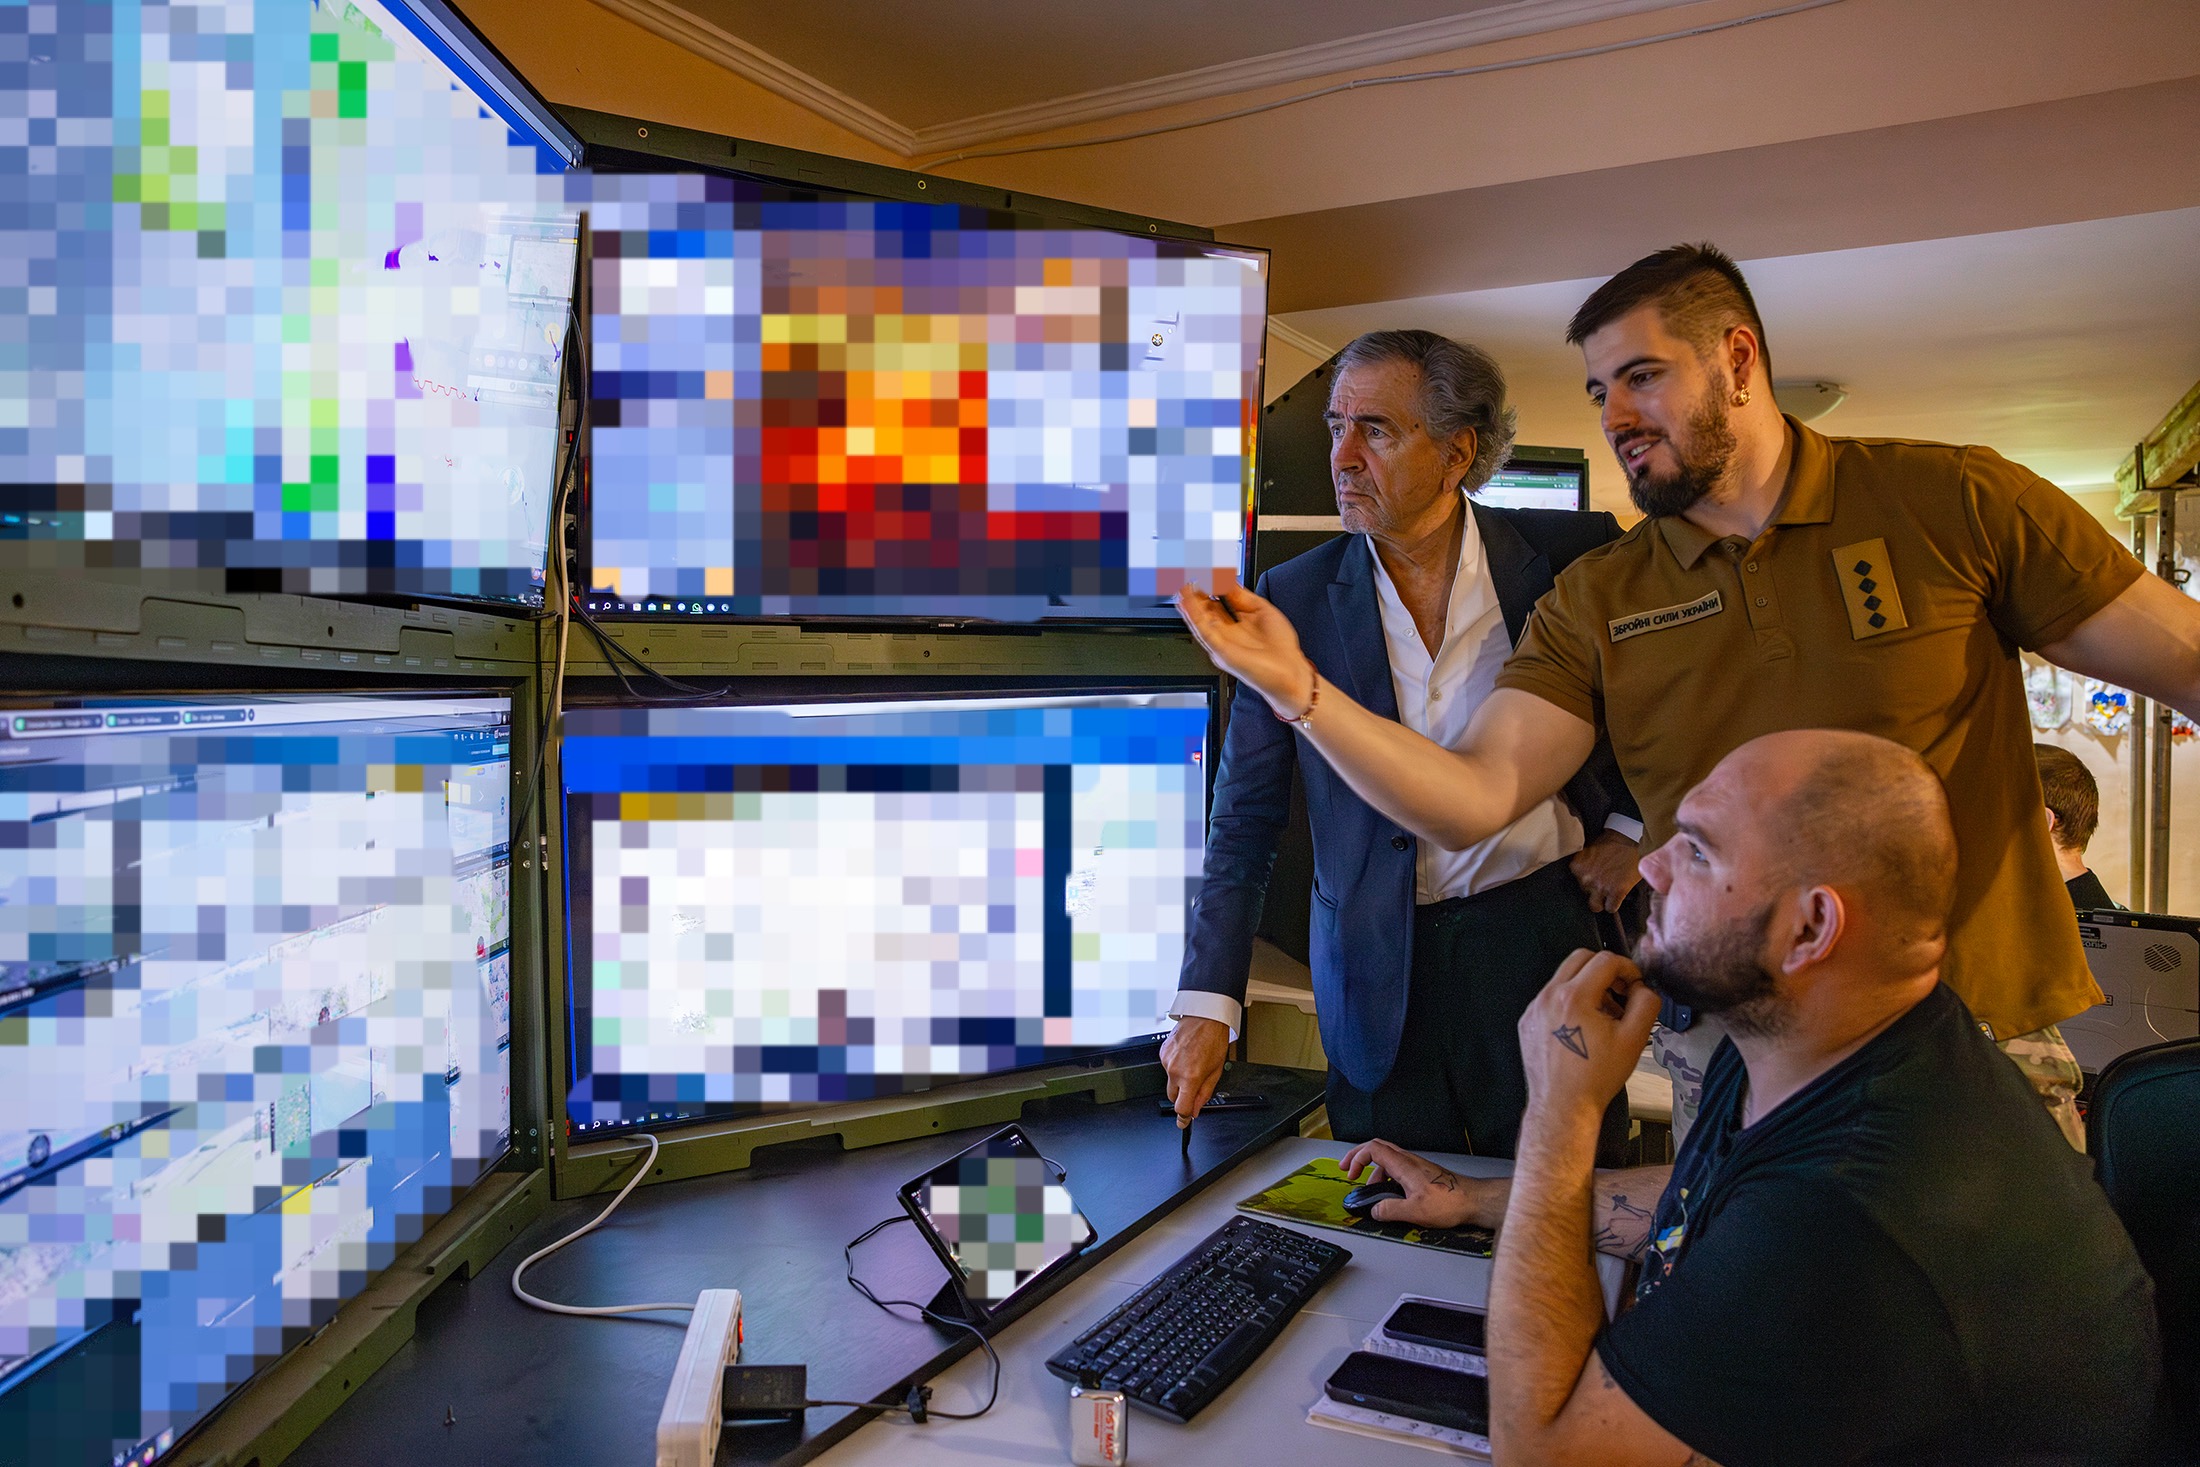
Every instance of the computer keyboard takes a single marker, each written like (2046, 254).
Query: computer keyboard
(1177, 1343)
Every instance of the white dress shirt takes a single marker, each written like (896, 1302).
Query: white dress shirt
(1437, 698)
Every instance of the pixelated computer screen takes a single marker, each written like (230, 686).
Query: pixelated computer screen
(255, 1009)
(1003, 1214)
(1537, 485)
(807, 404)
(786, 906)
(282, 304)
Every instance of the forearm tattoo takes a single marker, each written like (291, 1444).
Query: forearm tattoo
(1626, 1228)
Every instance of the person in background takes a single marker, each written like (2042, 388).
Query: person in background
(2073, 812)
(1422, 956)
(1780, 579)
(1874, 1245)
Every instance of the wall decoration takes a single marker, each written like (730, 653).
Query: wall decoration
(2049, 693)
(2107, 709)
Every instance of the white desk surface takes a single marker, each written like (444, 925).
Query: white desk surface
(1261, 1417)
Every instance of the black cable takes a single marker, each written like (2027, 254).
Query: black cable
(681, 692)
(611, 661)
(918, 1397)
(518, 827)
(560, 496)
(613, 650)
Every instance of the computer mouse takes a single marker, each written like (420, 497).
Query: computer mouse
(1361, 1200)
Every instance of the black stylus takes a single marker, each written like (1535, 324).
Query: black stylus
(1185, 1130)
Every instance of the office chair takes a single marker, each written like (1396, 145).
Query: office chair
(2144, 1134)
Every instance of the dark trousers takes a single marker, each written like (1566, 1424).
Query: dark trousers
(1478, 962)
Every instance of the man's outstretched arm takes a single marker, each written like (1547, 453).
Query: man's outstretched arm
(2147, 639)
(1520, 750)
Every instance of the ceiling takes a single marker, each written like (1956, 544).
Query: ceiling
(947, 73)
(892, 56)
(2058, 346)
(1978, 215)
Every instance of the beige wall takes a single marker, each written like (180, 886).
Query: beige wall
(1286, 365)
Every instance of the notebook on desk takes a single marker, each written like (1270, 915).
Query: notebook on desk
(1314, 1195)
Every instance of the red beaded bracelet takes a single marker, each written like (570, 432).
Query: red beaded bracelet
(1313, 700)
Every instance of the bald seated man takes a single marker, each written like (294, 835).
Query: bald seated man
(1875, 1245)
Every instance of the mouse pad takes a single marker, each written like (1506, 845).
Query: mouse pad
(1314, 1194)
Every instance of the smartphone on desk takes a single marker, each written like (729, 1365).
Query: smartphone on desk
(1447, 1398)
(1446, 1326)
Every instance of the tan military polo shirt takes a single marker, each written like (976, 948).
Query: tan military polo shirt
(1889, 594)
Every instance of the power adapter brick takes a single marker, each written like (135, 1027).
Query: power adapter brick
(764, 1392)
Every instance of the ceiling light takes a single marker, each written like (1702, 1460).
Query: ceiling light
(1808, 401)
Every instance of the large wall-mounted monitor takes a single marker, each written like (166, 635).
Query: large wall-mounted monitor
(778, 907)
(255, 1016)
(283, 301)
(809, 404)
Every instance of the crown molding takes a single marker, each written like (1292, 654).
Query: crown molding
(692, 33)
(1299, 341)
(1327, 58)
(1399, 43)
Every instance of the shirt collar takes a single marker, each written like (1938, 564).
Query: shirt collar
(1462, 608)
(1807, 498)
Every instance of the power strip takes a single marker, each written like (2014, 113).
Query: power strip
(687, 1430)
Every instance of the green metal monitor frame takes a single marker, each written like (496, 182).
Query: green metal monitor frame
(637, 144)
(773, 656)
(69, 634)
(66, 635)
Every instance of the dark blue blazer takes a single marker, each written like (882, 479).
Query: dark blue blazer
(1362, 927)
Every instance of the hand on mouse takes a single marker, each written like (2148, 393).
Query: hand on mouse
(1362, 1200)
(1435, 1197)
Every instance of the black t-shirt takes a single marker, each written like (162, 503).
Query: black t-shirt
(2088, 895)
(1904, 1262)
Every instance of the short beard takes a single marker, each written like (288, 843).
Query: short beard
(1719, 973)
(1704, 454)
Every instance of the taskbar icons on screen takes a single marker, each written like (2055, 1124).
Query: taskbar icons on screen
(612, 606)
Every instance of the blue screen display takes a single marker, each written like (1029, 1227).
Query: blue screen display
(255, 1019)
(789, 906)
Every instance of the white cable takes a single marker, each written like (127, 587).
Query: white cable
(573, 1237)
(1378, 81)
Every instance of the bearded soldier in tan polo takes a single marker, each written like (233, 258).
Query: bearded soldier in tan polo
(1782, 579)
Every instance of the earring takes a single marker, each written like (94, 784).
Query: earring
(1741, 398)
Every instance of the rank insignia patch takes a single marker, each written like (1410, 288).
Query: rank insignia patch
(1867, 587)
